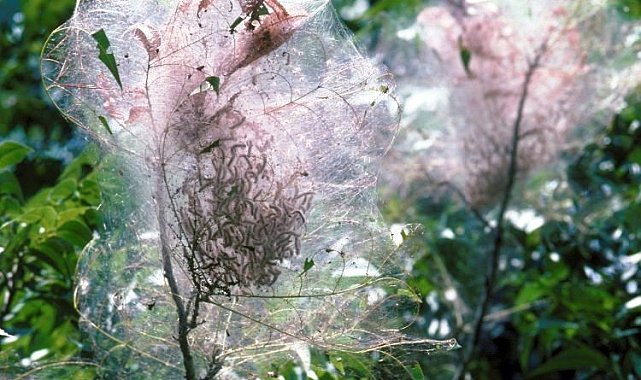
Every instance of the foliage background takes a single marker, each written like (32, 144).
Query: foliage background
(48, 195)
(562, 308)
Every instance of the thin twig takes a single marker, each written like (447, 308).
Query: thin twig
(183, 318)
(500, 220)
(466, 202)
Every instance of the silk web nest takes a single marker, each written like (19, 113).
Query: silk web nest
(244, 138)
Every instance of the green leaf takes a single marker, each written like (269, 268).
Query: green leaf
(262, 10)
(74, 232)
(215, 83)
(105, 124)
(525, 349)
(630, 9)
(81, 166)
(337, 362)
(387, 6)
(530, 292)
(53, 252)
(107, 58)
(635, 156)
(288, 371)
(72, 213)
(572, 358)
(417, 372)
(63, 190)
(89, 191)
(404, 292)
(232, 27)
(210, 147)
(9, 185)
(10, 207)
(324, 375)
(46, 215)
(466, 56)
(11, 153)
(309, 264)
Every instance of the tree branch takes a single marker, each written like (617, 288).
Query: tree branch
(183, 317)
(499, 230)
(466, 202)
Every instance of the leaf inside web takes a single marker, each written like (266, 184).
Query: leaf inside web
(214, 82)
(105, 56)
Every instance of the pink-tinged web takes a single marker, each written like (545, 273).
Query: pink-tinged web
(248, 135)
(462, 70)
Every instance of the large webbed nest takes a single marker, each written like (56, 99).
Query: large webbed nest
(250, 134)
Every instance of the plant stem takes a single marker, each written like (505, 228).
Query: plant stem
(499, 230)
(466, 202)
(183, 318)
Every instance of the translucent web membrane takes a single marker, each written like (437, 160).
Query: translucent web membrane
(464, 86)
(249, 135)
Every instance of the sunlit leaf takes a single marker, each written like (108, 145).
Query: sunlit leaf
(63, 190)
(11, 153)
(410, 295)
(337, 362)
(417, 372)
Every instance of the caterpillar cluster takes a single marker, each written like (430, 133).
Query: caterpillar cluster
(240, 219)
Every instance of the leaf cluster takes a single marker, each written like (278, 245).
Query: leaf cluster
(40, 237)
(563, 306)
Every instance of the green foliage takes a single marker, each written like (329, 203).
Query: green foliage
(24, 26)
(47, 214)
(560, 307)
(344, 366)
(381, 17)
(12, 153)
(572, 359)
(629, 8)
(40, 237)
(587, 287)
